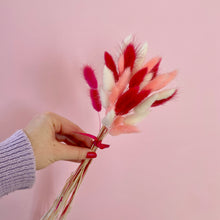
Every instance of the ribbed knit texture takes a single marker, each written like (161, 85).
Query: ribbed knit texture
(17, 163)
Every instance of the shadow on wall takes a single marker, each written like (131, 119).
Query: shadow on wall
(14, 116)
(43, 195)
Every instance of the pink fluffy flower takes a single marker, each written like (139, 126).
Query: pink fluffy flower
(129, 88)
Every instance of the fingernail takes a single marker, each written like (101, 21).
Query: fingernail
(91, 155)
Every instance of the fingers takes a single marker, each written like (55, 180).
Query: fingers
(70, 140)
(71, 153)
(65, 127)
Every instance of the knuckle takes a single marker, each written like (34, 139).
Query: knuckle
(48, 114)
(48, 117)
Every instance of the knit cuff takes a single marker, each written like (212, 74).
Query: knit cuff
(17, 163)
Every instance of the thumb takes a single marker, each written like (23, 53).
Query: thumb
(71, 153)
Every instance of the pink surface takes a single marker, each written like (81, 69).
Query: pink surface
(170, 170)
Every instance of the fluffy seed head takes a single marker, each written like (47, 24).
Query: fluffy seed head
(123, 129)
(120, 86)
(135, 118)
(104, 98)
(125, 100)
(108, 79)
(146, 104)
(141, 56)
(162, 101)
(129, 100)
(90, 78)
(109, 62)
(165, 93)
(152, 63)
(108, 119)
(95, 98)
(129, 56)
(160, 81)
(121, 64)
(138, 77)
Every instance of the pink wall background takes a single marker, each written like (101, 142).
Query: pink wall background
(169, 171)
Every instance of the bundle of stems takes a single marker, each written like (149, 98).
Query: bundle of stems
(62, 204)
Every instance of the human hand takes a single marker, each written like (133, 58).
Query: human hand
(52, 138)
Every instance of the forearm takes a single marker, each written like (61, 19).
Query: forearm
(17, 163)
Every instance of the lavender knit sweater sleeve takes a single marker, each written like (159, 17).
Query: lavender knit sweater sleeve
(17, 163)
